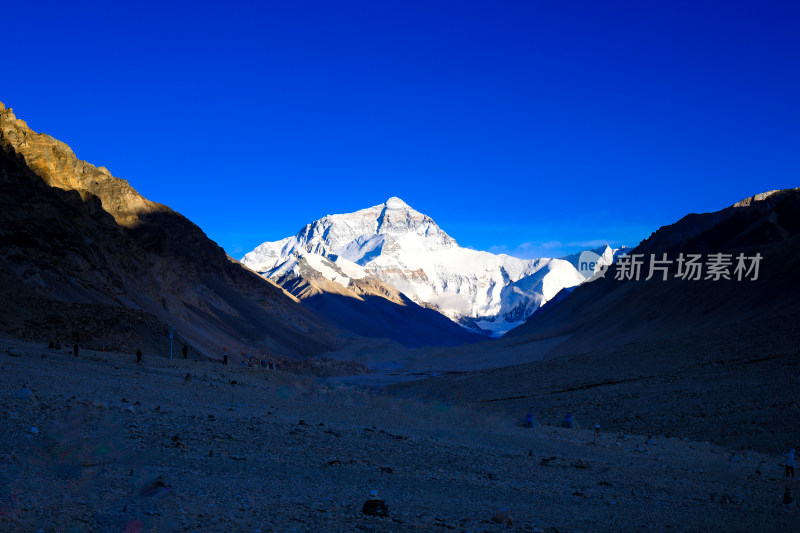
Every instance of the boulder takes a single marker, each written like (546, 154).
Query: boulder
(503, 517)
(375, 506)
(25, 394)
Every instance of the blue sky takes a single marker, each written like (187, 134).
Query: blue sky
(530, 127)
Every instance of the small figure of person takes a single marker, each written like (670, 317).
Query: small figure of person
(75, 350)
(224, 356)
(529, 420)
(51, 345)
(138, 356)
(185, 350)
(790, 463)
(568, 422)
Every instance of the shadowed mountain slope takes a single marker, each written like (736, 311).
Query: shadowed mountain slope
(371, 308)
(608, 311)
(86, 258)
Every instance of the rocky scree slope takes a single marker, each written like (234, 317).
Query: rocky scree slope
(201, 447)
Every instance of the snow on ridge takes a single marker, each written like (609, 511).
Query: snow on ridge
(408, 250)
(350, 269)
(608, 255)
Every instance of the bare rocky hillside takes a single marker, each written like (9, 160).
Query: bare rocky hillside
(87, 259)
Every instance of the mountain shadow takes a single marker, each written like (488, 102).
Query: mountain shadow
(376, 317)
(87, 259)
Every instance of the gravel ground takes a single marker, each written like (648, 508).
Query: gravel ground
(734, 386)
(99, 443)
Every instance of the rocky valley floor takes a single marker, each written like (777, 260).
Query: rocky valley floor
(99, 443)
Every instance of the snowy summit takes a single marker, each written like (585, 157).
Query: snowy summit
(406, 249)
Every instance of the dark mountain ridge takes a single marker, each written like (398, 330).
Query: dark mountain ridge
(86, 258)
(611, 311)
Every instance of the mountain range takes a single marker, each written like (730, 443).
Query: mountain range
(392, 244)
(708, 357)
(87, 259)
(644, 360)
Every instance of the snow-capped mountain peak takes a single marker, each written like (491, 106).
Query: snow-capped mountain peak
(396, 203)
(406, 249)
(390, 228)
